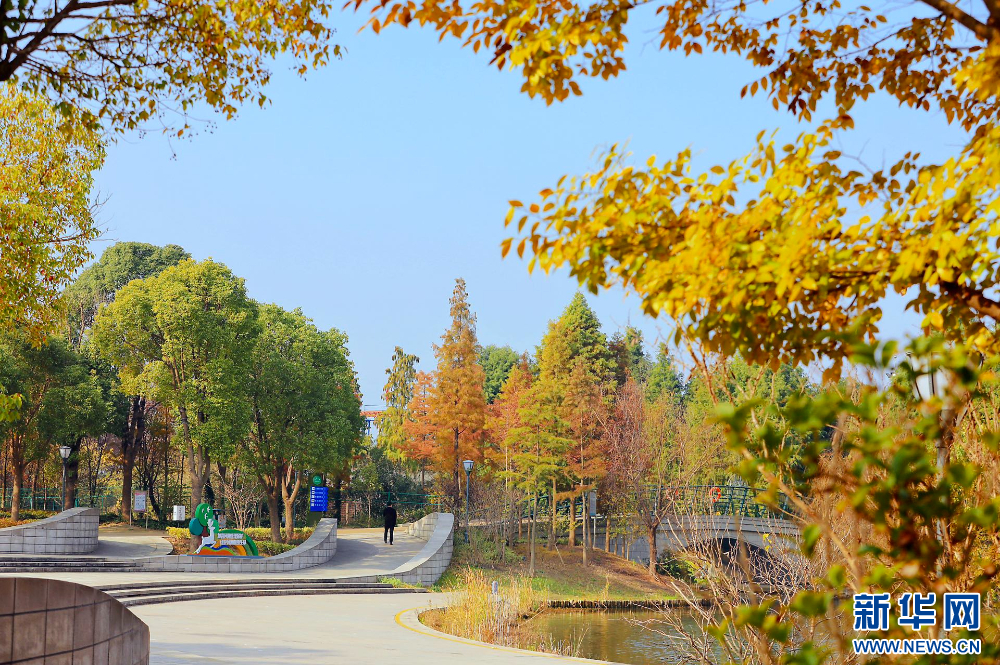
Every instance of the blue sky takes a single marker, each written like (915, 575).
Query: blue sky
(362, 192)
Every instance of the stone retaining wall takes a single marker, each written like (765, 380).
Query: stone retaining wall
(63, 622)
(318, 548)
(430, 563)
(72, 531)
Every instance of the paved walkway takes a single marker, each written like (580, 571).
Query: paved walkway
(359, 552)
(314, 630)
(130, 542)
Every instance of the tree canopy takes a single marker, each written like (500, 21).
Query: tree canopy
(183, 337)
(46, 209)
(124, 64)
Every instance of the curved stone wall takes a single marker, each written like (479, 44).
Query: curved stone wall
(72, 531)
(319, 548)
(429, 564)
(63, 622)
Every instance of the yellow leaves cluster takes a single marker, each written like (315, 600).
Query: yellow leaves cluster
(45, 208)
(120, 64)
(783, 272)
(806, 56)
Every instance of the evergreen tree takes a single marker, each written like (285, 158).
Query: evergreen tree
(497, 362)
(397, 393)
(664, 379)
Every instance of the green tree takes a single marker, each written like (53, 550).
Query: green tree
(77, 407)
(61, 402)
(126, 64)
(397, 393)
(582, 328)
(96, 286)
(539, 454)
(305, 408)
(629, 356)
(497, 362)
(663, 378)
(119, 264)
(184, 338)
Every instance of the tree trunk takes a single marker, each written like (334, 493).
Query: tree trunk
(15, 493)
(337, 484)
(607, 534)
(458, 477)
(274, 514)
(585, 516)
(135, 432)
(289, 498)
(552, 517)
(651, 534)
(572, 521)
(531, 537)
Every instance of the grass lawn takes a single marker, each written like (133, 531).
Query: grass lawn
(559, 573)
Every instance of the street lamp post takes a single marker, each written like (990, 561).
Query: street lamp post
(468, 472)
(64, 453)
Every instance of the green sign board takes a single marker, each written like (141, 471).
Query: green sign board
(317, 480)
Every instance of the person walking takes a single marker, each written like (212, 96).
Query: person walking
(389, 516)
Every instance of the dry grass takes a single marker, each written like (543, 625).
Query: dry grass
(499, 619)
(561, 575)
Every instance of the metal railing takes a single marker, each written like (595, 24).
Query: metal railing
(734, 500)
(49, 499)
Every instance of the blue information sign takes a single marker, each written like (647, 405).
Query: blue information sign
(318, 499)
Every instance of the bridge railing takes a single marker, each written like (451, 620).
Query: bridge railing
(730, 500)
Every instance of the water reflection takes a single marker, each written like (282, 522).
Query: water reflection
(612, 636)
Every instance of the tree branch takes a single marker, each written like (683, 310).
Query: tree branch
(978, 28)
(973, 298)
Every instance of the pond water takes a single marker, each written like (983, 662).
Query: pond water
(614, 636)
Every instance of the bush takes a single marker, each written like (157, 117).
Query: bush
(6, 522)
(670, 564)
(268, 548)
(262, 534)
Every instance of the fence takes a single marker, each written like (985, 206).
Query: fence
(366, 507)
(733, 500)
(50, 499)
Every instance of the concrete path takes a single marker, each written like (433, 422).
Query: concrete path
(359, 552)
(130, 542)
(316, 630)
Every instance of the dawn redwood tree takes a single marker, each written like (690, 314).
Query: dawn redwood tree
(503, 420)
(458, 403)
(397, 393)
(306, 410)
(420, 433)
(583, 404)
(184, 338)
(119, 264)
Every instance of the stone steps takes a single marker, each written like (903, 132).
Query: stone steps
(40, 564)
(152, 593)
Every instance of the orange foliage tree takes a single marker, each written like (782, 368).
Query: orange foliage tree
(457, 401)
(419, 433)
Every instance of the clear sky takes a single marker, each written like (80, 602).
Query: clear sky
(362, 192)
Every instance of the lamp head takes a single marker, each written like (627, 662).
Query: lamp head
(468, 465)
(65, 452)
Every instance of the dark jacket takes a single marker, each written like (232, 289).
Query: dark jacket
(389, 515)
